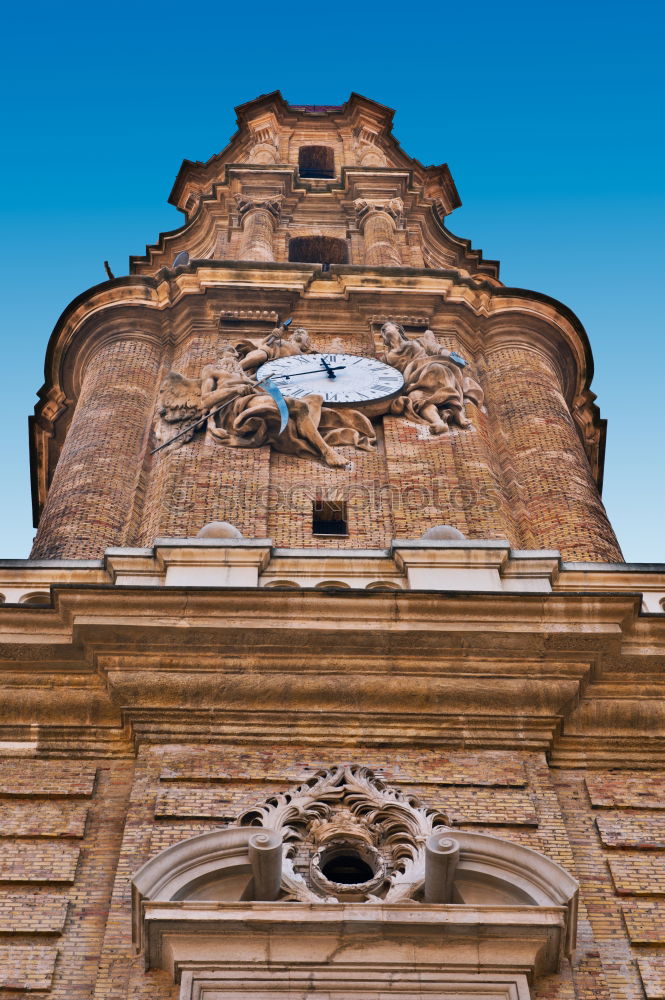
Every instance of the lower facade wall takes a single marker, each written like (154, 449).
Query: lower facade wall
(61, 825)
(72, 834)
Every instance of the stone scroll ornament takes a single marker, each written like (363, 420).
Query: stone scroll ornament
(436, 387)
(349, 809)
(240, 414)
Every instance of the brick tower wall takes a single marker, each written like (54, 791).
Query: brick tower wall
(519, 473)
(74, 834)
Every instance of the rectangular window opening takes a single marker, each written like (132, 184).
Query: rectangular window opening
(329, 517)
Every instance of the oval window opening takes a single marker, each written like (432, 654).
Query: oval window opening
(347, 868)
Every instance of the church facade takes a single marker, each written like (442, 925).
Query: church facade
(326, 675)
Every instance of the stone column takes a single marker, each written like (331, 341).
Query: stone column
(258, 226)
(93, 491)
(559, 506)
(377, 222)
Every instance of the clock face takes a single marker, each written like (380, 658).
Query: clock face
(356, 380)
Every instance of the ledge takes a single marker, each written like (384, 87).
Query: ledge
(447, 566)
(455, 938)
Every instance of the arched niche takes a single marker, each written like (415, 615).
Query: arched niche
(36, 599)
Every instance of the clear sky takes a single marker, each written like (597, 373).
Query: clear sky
(550, 117)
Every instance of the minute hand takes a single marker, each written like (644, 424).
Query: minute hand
(310, 371)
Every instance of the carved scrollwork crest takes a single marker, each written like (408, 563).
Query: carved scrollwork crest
(347, 834)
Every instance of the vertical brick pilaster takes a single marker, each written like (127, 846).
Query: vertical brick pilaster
(561, 507)
(92, 493)
(380, 243)
(256, 241)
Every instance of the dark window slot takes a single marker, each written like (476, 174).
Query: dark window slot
(329, 517)
(324, 250)
(316, 161)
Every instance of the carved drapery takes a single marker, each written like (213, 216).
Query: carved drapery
(377, 222)
(258, 218)
(238, 413)
(436, 389)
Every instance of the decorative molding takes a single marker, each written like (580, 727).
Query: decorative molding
(366, 208)
(246, 204)
(520, 904)
(349, 805)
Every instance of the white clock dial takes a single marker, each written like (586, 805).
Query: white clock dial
(356, 380)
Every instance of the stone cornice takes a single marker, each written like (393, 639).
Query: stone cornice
(553, 671)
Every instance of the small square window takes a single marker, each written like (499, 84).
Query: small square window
(316, 161)
(329, 517)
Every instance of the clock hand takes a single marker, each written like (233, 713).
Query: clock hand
(331, 371)
(310, 371)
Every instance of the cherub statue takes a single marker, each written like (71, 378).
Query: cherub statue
(435, 388)
(240, 414)
(278, 344)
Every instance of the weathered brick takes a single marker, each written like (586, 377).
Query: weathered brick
(26, 967)
(631, 830)
(627, 789)
(53, 778)
(42, 819)
(638, 875)
(495, 769)
(484, 806)
(645, 922)
(25, 862)
(32, 913)
(652, 972)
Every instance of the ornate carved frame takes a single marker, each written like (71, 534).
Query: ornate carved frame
(232, 905)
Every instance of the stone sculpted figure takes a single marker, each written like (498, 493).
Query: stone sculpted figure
(278, 344)
(250, 417)
(435, 388)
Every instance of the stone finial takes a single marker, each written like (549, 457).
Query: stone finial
(443, 532)
(219, 529)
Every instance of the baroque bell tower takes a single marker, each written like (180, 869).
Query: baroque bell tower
(316, 215)
(326, 676)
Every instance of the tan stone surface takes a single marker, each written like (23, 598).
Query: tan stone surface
(511, 679)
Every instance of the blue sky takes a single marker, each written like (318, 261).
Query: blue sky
(550, 117)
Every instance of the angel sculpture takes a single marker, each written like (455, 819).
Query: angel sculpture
(277, 344)
(238, 413)
(435, 388)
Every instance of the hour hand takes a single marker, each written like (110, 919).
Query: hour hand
(331, 371)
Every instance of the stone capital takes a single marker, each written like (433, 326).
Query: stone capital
(247, 204)
(365, 208)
